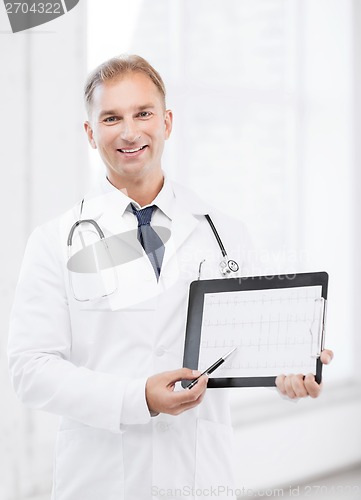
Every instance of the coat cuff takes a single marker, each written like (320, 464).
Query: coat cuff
(134, 408)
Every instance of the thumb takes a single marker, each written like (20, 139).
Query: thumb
(192, 374)
(183, 374)
(326, 356)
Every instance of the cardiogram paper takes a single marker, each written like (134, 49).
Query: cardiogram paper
(275, 331)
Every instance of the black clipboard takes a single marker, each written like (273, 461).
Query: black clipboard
(206, 291)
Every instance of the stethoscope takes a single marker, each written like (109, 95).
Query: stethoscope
(226, 266)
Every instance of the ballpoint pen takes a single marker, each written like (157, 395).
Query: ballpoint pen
(211, 369)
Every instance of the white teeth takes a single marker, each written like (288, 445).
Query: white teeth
(131, 150)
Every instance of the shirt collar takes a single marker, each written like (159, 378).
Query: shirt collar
(164, 200)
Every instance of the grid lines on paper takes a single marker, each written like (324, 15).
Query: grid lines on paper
(275, 331)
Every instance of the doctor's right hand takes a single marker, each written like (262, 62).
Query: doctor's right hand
(162, 398)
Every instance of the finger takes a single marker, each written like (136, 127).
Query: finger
(190, 395)
(280, 384)
(298, 386)
(192, 374)
(326, 356)
(200, 385)
(312, 387)
(170, 378)
(192, 404)
(288, 387)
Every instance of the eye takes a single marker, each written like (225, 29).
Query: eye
(110, 119)
(144, 114)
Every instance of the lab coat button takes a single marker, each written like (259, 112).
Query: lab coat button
(162, 426)
(160, 351)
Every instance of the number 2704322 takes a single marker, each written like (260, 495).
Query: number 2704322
(34, 8)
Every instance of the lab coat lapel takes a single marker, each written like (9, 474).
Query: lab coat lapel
(132, 265)
(188, 213)
(106, 209)
(183, 224)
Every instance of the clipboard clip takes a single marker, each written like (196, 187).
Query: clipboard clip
(318, 327)
(200, 268)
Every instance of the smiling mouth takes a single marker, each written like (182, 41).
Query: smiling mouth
(132, 150)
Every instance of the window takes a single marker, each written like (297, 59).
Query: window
(261, 93)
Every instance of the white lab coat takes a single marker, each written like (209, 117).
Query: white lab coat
(88, 362)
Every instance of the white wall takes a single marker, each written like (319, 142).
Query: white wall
(43, 163)
(291, 444)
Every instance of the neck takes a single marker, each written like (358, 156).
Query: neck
(143, 191)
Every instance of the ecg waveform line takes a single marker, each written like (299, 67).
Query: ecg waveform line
(235, 301)
(233, 323)
(287, 343)
(229, 367)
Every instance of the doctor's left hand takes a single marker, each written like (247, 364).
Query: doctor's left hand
(298, 386)
(161, 397)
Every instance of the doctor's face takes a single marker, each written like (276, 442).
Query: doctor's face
(128, 125)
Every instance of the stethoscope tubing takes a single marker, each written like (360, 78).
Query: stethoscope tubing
(215, 232)
(227, 266)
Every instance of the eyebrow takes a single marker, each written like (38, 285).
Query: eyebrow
(111, 112)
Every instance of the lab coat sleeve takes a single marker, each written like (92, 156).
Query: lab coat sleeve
(39, 349)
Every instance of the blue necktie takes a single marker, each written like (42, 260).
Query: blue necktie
(149, 239)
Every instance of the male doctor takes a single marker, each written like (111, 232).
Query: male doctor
(108, 363)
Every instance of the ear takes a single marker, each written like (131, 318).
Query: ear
(89, 133)
(168, 121)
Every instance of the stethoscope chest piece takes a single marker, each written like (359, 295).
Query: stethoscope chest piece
(233, 266)
(227, 266)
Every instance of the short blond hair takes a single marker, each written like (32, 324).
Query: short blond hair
(117, 67)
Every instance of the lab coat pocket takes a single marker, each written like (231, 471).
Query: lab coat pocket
(101, 304)
(214, 458)
(89, 465)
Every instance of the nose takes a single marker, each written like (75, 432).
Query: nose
(129, 132)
